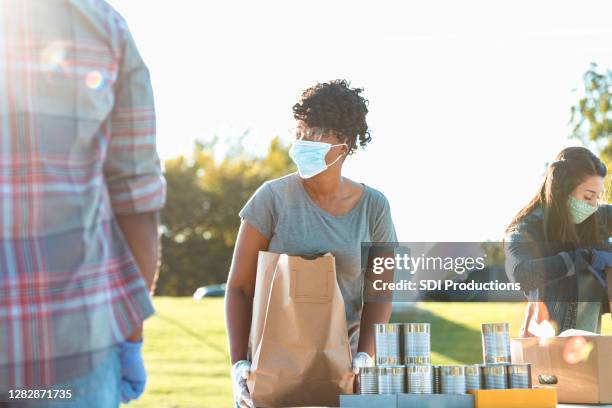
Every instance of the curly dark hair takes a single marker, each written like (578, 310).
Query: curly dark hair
(336, 106)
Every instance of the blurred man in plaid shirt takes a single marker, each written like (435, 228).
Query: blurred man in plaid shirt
(80, 190)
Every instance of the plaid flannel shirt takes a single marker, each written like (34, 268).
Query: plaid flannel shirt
(77, 147)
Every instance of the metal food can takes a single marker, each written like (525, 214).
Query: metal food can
(387, 344)
(419, 379)
(368, 380)
(392, 380)
(436, 379)
(519, 375)
(496, 377)
(452, 380)
(482, 376)
(473, 377)
(416, 343)
(496, 343)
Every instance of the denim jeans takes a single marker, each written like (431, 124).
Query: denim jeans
(97, 389)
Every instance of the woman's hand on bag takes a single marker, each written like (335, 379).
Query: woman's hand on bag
(361, 359)
(240, 373)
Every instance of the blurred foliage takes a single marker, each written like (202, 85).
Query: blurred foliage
(592, 115)
(494, 251)
(200, 220)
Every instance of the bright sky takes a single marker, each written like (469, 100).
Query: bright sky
(468, 100)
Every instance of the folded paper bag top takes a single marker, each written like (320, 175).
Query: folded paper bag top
(298, 344)
(576, 332)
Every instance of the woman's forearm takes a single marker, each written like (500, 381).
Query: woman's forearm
(373, 312)
(238, 309)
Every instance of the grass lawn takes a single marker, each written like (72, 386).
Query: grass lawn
(188, 365)
(186, 355)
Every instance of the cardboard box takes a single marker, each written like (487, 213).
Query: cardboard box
(408, 401)
(368, 401)
(579, 367)
(545, 397)
(435, 401)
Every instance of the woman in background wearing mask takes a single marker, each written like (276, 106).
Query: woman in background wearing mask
(315, 210)
(557, 246)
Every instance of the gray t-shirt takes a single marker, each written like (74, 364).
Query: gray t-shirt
(284, 213)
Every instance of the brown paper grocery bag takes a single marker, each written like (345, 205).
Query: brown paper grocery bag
(298, 344)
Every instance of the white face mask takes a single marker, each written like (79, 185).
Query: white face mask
(309, 157)
(579, 210)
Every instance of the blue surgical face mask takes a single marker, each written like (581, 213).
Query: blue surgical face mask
(309, 157)
(579, 210)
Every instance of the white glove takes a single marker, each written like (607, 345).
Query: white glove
(361, 359)
(240, 373)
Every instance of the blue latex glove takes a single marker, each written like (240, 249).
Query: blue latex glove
(133, 374)
(600, 260)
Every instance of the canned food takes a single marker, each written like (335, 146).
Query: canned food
(496, 343)
(436, 379)
(473, 377)
(519, 375)
(452, 380)
(368, 380)
(387, 337)
(419, 379)
(496, 377)
(392, 380)
(417, 343)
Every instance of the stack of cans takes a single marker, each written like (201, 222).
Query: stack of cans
(416, 375)
(496, 343)
(498, 373)
(452, 380)
(419, 379)
(410, 344)
(417, 343)
(368, 380)
(519, 375)
(496, 377)
(474, 377)
(392, 379)
(387, 344)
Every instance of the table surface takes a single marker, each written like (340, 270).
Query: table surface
(582, 406)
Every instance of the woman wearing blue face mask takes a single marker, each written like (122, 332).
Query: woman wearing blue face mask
(557, 246)
(315, 210)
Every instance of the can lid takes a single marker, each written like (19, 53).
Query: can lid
(497, 360)
(497, 369)
(473, 369)
(387, 361)
(368, 370)
(392, 370)
(419, 368)
(495, 327)
(418, 360)
(523, 368)
(454, 370)
(386, 327)
(416, 327)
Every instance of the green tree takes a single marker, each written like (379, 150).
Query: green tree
(591, 117)
(200, 220)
